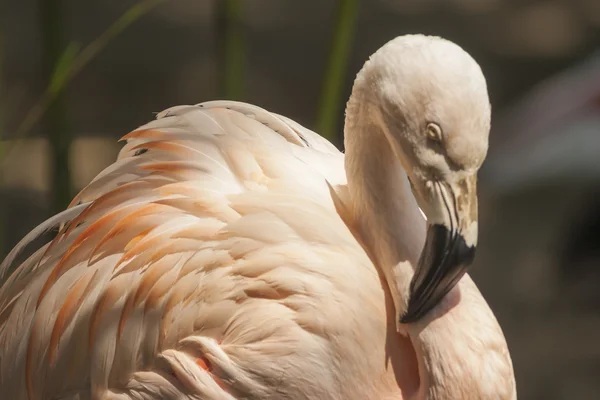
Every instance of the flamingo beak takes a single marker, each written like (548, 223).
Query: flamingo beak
(449, 249)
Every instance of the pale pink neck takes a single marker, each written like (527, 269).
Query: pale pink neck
(384, 208)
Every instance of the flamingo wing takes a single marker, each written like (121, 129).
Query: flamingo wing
(208, 261)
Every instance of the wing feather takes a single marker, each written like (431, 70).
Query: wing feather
(180, 266)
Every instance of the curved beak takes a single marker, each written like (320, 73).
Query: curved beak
(451, 210)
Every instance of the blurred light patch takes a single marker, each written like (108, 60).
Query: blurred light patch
(569, 154)
(89, 156)
(28, 167)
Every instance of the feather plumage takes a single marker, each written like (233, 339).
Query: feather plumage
(167, 264)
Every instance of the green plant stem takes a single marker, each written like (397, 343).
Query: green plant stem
(56, 119)
(2, 209)
(331, 101)
(230, 48)
(2, 105)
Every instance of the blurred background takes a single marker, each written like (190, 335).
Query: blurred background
(77, 75)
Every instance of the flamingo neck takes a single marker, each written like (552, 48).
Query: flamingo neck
(381, 201)
(459, 346)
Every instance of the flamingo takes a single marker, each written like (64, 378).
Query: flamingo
(230, 253)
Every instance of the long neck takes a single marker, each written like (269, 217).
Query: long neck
(384, 208)
(460, 349)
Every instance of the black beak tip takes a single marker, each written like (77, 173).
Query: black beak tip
(409, 316)
(445, 259)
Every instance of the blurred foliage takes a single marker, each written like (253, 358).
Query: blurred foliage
(1, 104)
(230, 49)
(330, 104)
(56, 116)
(2, 225)
(70, 64)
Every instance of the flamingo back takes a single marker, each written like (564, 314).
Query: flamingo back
(209, 261)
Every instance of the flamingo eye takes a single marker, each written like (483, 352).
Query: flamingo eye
(434, 131)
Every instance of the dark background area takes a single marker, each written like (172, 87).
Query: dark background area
(539, 256)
